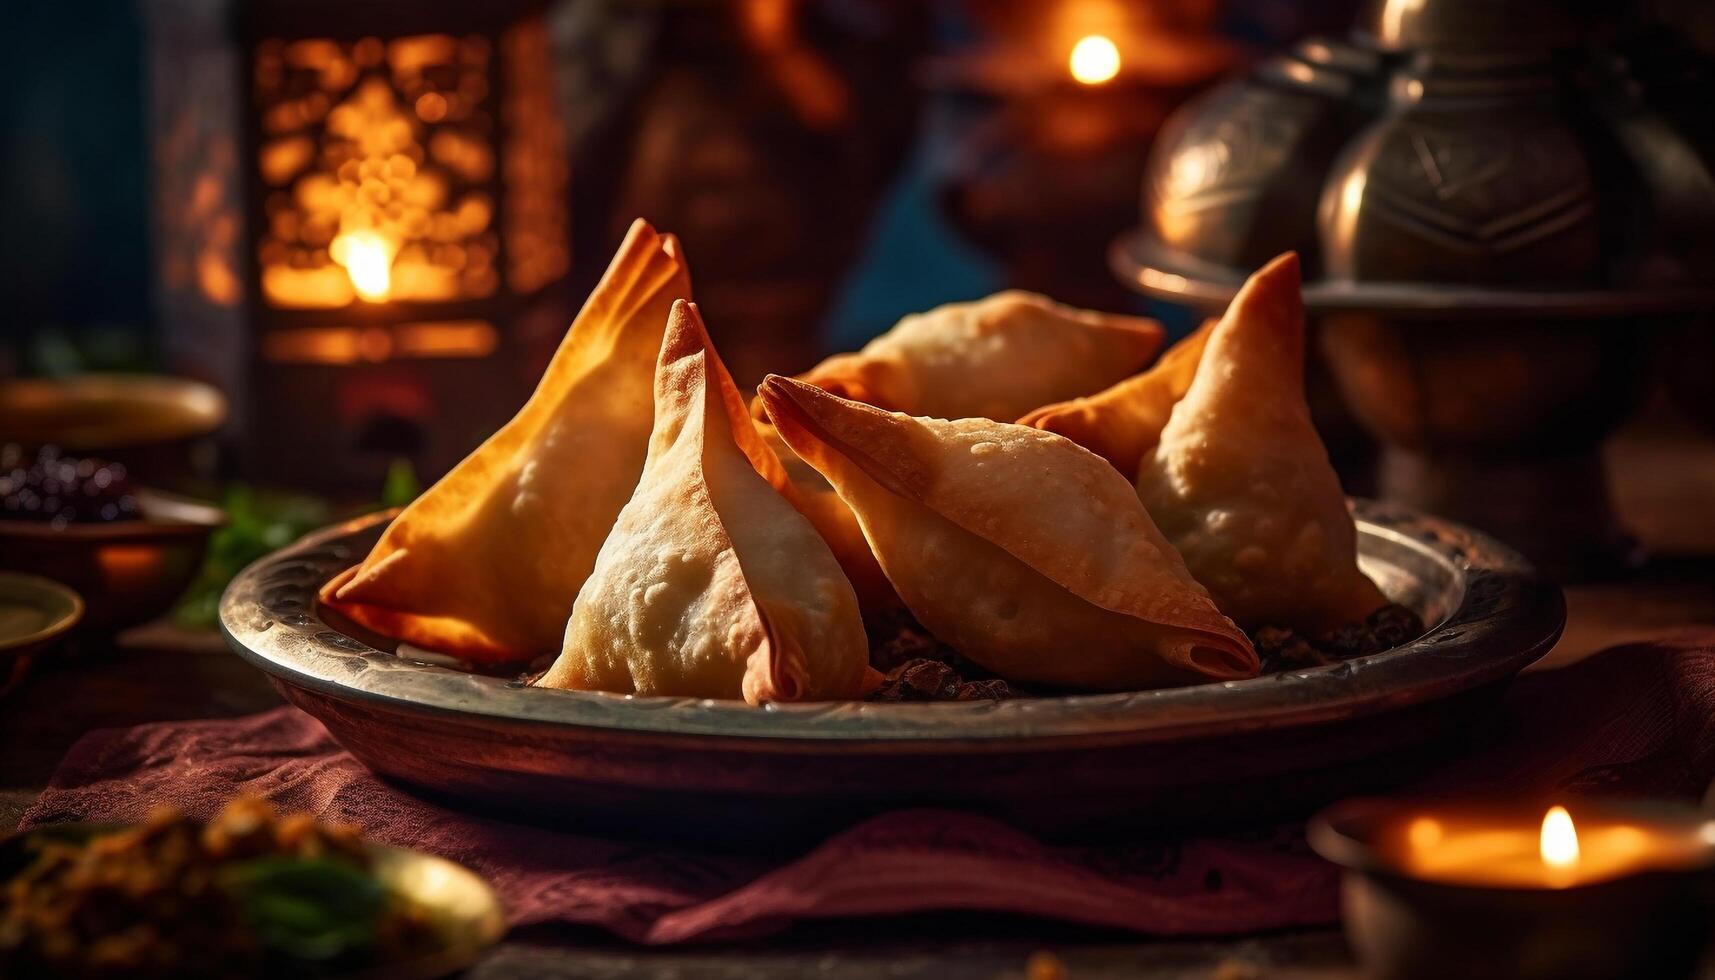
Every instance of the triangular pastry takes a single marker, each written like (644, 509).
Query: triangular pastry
(485, 564)
(711, 584)
(994, 358)
(1240, 481)
(1122, 424)
(1024, 552)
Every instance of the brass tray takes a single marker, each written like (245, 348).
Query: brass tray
(1077, 765)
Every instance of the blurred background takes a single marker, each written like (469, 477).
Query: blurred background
(831, 165)
(366, 224)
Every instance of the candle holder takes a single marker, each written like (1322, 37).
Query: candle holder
(1647, 913)
(362, 230)
(1049, 118)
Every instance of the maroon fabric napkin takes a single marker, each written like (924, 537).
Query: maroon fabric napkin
(1637, 720)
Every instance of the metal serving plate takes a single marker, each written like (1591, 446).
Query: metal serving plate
(1076, 765)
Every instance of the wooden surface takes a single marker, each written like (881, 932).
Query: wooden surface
(1662, 486)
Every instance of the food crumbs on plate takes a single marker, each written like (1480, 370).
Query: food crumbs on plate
(1045, 966)
(919, 667)
(1285, 649)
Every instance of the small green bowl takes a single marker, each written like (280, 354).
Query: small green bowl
(35, 613)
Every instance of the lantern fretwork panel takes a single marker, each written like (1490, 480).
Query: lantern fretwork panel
(402, 170)
(379, 170)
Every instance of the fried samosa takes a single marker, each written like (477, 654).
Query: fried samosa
(1024, 552)
(995, 358)
(486, 563)
(1240, 481)
(711, 584)
(816, 499)
(1122, 424)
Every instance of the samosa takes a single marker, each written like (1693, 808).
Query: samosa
(486, 563)
(995, 358)
(1029, 555)
(711, 584)
(1241, 483)
(816, 499)
(1123, 424)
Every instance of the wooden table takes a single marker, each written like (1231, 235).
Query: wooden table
(158, 673)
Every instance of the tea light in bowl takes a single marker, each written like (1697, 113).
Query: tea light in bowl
(1477, 891)
(1556, 853)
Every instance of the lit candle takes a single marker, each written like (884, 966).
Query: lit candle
(1094, 60)
(1551, 852)
(368, 260)
(1493, 890)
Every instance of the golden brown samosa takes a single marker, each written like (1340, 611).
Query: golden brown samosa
(486, 563)
(711, 584)
(995, 358)
(815, 498)
(1122, 424)
(1027, 554)
(1241, 483)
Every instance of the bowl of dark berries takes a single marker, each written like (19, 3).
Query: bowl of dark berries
(162, 428)
(83, 521)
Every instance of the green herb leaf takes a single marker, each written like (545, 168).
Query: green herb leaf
(309, 909)
(401, 486)
(257, 522)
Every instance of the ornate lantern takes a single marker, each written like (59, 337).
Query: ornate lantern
(362, 222)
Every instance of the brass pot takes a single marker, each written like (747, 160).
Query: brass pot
(1497, 216)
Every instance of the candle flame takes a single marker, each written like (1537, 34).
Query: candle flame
(1559, 839)
(368, 260)
(1424, 833)
(1094, 60)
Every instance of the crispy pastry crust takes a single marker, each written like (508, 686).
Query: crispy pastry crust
(994, 358)
(992, 530)
(486, 563)
(711, 584)
(1123, 424)
(1240, 481)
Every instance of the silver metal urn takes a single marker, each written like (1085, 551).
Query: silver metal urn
(1501, 205)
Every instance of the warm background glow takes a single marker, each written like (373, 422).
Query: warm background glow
(1094, 60)
(368, 260)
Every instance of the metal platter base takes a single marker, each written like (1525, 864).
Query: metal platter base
(1145, 264)
(1079, 766)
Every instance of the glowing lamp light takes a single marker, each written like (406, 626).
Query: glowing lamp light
(368, 260)
(1094, 60)
(1559, 844)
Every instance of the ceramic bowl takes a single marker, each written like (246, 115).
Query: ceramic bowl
(35, 614)
(128, 572)
(160, 427)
